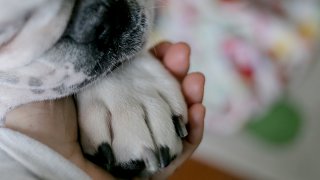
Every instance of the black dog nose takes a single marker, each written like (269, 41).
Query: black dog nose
(98, 20)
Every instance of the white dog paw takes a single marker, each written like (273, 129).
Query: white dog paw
(132, 122)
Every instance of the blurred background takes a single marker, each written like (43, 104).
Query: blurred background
(261, 61)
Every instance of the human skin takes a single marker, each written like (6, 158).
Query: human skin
(54, 123)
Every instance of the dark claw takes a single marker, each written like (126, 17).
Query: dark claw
(179, 126)
(143, 168)
(138, 168)
(164, 157)
(128, 170)
(104, 157)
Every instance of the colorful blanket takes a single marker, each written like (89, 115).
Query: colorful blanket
(247, 49)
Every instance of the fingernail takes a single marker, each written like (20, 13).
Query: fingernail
(179, 126)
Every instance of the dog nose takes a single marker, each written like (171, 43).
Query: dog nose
(98, 20)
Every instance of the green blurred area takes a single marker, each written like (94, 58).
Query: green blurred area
(279, 125)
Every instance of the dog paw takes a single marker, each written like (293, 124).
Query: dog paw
(132, 121)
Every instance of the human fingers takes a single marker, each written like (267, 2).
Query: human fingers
(175, 57)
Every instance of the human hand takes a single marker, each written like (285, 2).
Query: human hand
(54, 123)
(175, 58)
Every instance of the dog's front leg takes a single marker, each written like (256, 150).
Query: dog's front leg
(132, 122)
